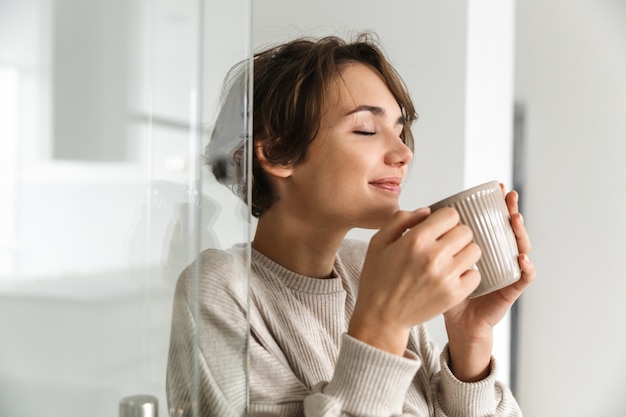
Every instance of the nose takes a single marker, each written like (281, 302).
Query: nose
(398, 154)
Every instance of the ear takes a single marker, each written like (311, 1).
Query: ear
(275, 170)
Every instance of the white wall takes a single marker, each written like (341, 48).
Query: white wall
(571, 66)
(457, 60)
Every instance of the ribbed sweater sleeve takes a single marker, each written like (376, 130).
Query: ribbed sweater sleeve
(206, 373)
(487, 397)
(366, 382)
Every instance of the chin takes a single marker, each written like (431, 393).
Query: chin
(378, 219)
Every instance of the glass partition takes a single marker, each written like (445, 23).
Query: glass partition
(105, 111)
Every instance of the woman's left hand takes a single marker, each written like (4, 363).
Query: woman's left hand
(471, 323)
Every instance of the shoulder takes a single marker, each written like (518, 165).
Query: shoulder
(217, 262)
(214, 274)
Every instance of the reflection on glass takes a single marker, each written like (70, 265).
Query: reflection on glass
(208, 342)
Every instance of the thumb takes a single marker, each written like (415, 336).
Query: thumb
(422, 213)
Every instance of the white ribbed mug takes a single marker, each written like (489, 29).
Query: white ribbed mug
(484, 210)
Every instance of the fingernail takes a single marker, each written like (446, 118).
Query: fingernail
(422, 210)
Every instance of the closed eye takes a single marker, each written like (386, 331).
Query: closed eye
(364, 132)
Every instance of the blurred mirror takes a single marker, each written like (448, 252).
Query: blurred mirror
(105, 109)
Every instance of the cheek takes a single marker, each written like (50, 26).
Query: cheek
(341, 161)
(346, 168)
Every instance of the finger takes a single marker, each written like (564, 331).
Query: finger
(456, 239)
(513, 291)
(512, 202)
(400, 222)
(521, 234)
(470, 279)
(517, 222)
(528, 268)
(467, 257)
(436, 225)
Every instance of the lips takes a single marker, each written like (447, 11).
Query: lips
(388, 184)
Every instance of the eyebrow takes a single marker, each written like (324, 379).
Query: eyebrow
(375, 110)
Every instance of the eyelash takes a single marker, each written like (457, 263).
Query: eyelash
(364, 133)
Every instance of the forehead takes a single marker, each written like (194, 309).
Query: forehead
(360, 84)
(357, 76)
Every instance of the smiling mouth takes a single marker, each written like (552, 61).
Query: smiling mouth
(391, 185)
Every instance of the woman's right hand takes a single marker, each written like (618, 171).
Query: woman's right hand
(417, 266)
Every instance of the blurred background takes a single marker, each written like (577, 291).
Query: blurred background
(105, 108)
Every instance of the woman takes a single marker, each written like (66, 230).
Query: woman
(336, 325)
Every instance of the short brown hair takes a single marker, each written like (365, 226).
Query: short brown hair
(292, 83)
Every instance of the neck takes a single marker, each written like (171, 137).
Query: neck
(300, 245)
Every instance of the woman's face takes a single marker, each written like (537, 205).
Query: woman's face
(357, 161)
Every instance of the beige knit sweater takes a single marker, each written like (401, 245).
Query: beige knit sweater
(298, 359)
